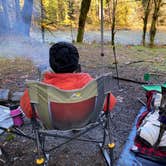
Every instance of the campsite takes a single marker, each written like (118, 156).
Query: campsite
(130, 63)
(20, 150)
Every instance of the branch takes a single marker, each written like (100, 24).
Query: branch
(129, 80)
(139, 61)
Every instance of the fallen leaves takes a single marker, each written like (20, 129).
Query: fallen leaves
(14, 72)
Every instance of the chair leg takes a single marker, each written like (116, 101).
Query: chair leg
(42, 157)
(111, 147)
(40, 160)
(108, 145)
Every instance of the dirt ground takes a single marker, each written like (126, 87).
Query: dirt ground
(21, 150)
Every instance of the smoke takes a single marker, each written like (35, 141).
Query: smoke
(15, 19)
(24, 47)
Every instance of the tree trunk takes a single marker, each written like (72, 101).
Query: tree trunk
(113, 22)
(85, 5)
(114, 5)
(5, 25)
(26, 17)
(42, 18)
(17, 26)
(21, 23)
(147, 9)
(153, 28)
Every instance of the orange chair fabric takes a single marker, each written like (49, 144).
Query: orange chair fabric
(67, 81)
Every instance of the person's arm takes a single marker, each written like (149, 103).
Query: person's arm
(25, 104)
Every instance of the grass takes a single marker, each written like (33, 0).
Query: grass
(14, 71)
(12, 65)
(129, 58)
(153, 58)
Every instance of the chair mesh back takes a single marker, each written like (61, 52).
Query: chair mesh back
(69, 109)
(103, 88)
(71, 115)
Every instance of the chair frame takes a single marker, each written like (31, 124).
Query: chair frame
(103, 120)
(39, 134)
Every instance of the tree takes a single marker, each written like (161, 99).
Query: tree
(20, 18)
(126, 15)
(114, 5)
(147, 7)
(42, 18)
(85, 5)
(113, 22)
(26, 15)
(157, 5)
(5, 27)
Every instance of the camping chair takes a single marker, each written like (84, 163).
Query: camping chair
(60, 110)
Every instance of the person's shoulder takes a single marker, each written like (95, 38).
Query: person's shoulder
(77, 76)
(83, 75)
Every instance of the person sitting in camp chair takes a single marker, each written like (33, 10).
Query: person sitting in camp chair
(64, 74)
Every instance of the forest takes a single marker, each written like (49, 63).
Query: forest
(19, 17)
(131, 65)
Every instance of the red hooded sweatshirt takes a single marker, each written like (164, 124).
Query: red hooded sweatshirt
(67, 81)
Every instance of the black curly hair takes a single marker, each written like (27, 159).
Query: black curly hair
(63, 57)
